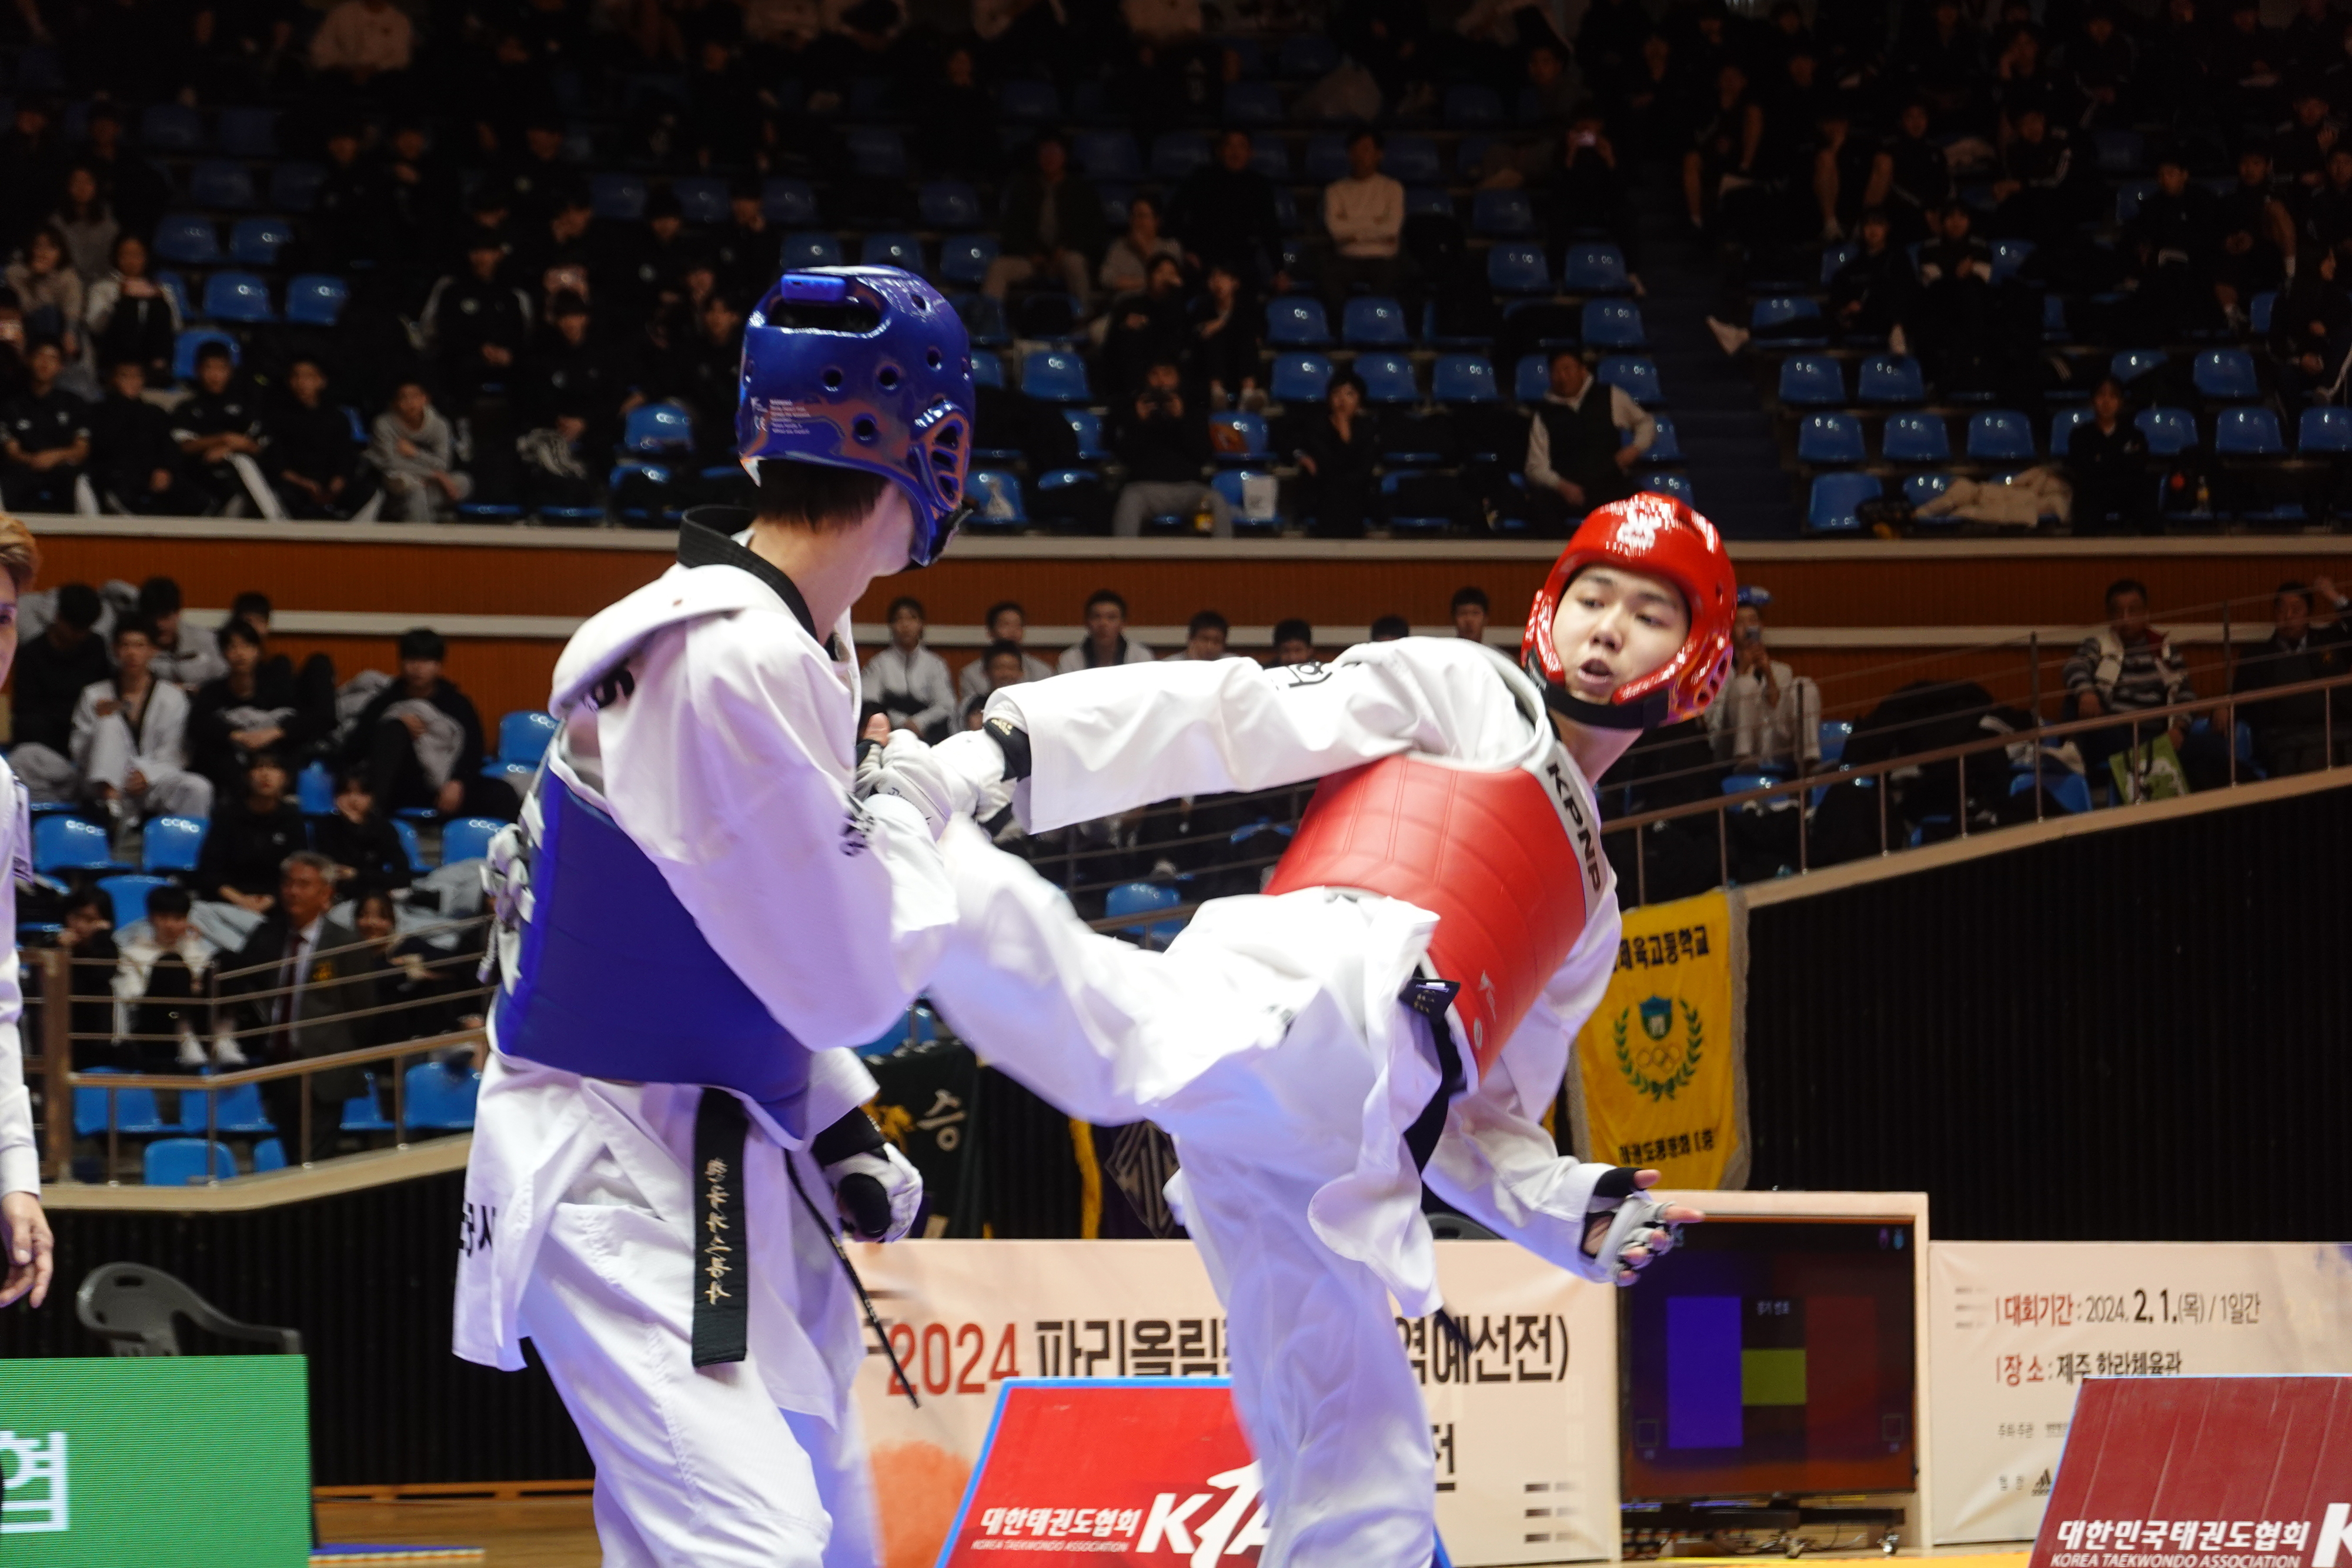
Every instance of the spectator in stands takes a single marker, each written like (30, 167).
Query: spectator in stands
(134, 188)
(2328, 215)
(742, 254)
(49, 291)
(162, 981)
(130, 744)
(51, 672)
(316, 463)
(2100, 61)
(909, 680)
(421, 739)
(425, 990)
(1579, 456)
(1875, 291)
(364, 42)
(2106, 464)
(999, 665)
(1469, 610)
(2258, 248)
(1294, 642)
(1337, 453)
(87, 225)
(254, 708)
(1052, 229)
(129, 316)
(1961, 321)
(32, 170)
(559, 252)
(645, 267)
(1106, 641)
(134, 463)
(1221, 343)
(1364, 213)
(1144, 329)
(700, 375)
(2171, 244)
(1944, 62)
(219, 430)
(414, 449)
(1126, 266)
(573, 380)
(87, 919)
(1583, 187)
(2035, 189)
(1390, 629)
(1005, 623)
(184, 652)
(347, 225)
(1204, 639)
(47, 437)
(1164, 445)
(254, 828)
(1843, 157)
(2311, 640)
(363, 845)
(1769, 716)
(2128, 667)
(305, 977)
(2299, 155)
(479, 324)
(1912, 179)
(1224, 214)
(1721, 161)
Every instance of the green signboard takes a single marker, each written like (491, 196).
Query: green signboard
(194, 1461)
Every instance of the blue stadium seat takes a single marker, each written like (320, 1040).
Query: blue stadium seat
(2226, 374)
(171, 843)
(1531, 378)
(1471, 105)
(658, 427)
(1777, 311)
(2169, 431)
(314, 791)
(1999, 435)
(1834, 497)
(1050, 375)
(269, 1155)
(1233, 485)
(294, 187)
(2053, 318)
(1375, 321)
(2061, 428)
(1250, 427)
(1143, 898)
(1517, 267)
(315, 299)
(875, 151)
(1593, 267)
(1326, 158)
(1108, 155)
(1252, 103)
(1388, 379)
(1412, 160)
(238, 297)
(1678, 485)
(702, 199)
(468, 839)
(1464, 379)
(2118, 152)
(2259, 311)
(171, 128)
(813, 247)
(1835, 733)
(950, 205)
(176, 284)
(885, 248)
(1296, 321)
(1299, 378)
(1502, 214)
(214, 183)
(405, 831)
(995, 498)
(133, 1110)
(619, 197)
(966, 258)
(1811, 381)
(2321, 430)
(187, 239)
(791, 203)
(1637, 374)
(1921, 488)
(177, 1162)
(987, 370)
(128, 895)
(2067, 789)
(1829, 440)
(1666, 448)
(438, 1099)
(255, 241)
(70, 843)
(1427, 202)
(2130, 194)
(2129, 364)
(1029, 102)
(1835, 256)
(248, 132)
(1176, 153)
(1086, 426)
(2247, 432)
(1890, 381)
(238, 1113)
(2007, 257)
(185, 347)
(1614, 324)
(525, 735)
(361, 1114)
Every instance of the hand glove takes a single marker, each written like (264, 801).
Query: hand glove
(906, 769)
(978, 758)
(877, 1194)
(1634, 1223)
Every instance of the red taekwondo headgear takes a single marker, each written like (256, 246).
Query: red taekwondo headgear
(1662, 536)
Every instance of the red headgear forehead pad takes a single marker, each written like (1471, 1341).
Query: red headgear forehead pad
(1663, 536)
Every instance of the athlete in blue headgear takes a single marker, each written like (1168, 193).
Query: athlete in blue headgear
(695, 921)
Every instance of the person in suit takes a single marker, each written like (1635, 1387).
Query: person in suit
(297, 980)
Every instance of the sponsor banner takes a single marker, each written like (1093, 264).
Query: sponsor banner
(2017, 1329)
(1523, 1422)
(1660, 1083)
(2203, 1472)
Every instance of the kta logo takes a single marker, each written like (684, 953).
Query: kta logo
(1223, 1533)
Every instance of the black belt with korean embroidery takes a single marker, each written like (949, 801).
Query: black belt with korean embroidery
(722, 1295)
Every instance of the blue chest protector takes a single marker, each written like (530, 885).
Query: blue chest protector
(614, 980)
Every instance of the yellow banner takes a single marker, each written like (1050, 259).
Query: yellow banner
(1659, 1083)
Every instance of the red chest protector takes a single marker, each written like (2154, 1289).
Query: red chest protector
(1509, 861)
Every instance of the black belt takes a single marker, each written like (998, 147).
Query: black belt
(722, 1295)
(1431, 999)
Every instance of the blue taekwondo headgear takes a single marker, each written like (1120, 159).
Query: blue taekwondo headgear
(865, 368)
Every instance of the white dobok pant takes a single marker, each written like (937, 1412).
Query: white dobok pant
(694, 1468)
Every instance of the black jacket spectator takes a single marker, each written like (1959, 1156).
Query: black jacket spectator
(314, 457)
(245, 846)
(43, 419)
(2112, 487)
(334, 986)
(1078, 216)
(387, 749)
(473, 311)
(51, 671)
(1226, 217)
(218, 712)
(370, 848)
(1337, 492)
(1875, 291)
(130, 445)
(1165, 448)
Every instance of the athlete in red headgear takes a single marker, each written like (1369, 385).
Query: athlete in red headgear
(1396, 1007)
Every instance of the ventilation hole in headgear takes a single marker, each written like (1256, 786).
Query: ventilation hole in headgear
(864, 430)
(833, 378)
(921, 305)
(887, 377)
(933, 357)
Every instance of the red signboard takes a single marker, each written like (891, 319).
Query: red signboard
(2204, 1472)
(1153, 1467)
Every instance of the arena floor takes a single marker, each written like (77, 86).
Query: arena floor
(558, 1532)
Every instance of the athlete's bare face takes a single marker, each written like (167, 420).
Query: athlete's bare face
(1615, 625)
